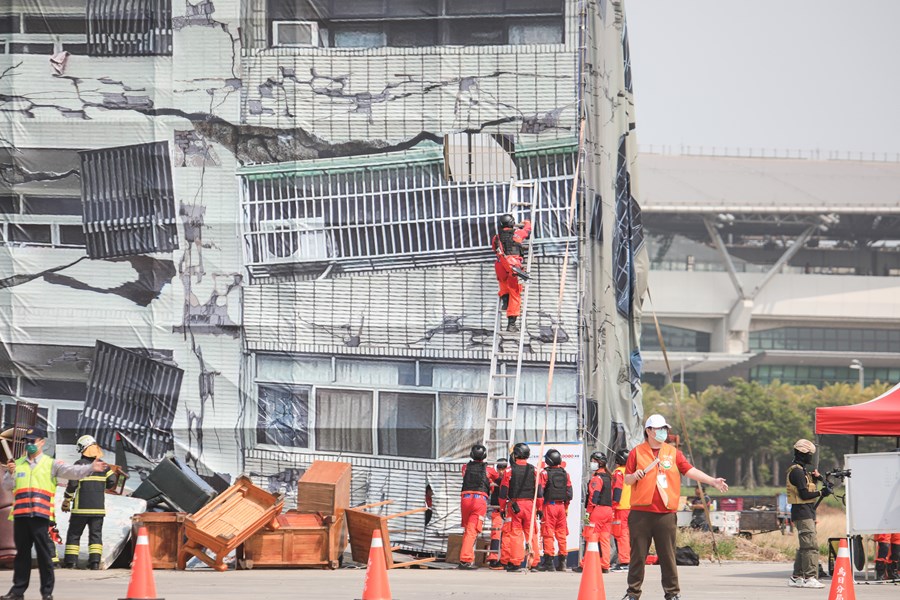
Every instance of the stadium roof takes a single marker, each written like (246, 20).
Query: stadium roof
(714, 184)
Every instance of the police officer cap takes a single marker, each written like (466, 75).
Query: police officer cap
(805, 446)
(34, 433)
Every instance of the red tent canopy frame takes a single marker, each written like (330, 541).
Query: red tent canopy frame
(877, 417)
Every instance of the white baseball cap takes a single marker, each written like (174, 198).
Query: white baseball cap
(656, 421)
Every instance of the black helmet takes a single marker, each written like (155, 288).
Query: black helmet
(507, 220)
(553, 458)
(621, 456)
(599, 457)
(521, 450)
(478, 452)
(502, 462)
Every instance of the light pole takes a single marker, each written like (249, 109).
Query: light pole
(856, 365)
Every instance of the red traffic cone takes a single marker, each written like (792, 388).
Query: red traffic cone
(377, 587)
(842, 577)
(142, 586)
(591, 587)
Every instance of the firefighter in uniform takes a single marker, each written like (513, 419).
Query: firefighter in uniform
(86, 501)
(803, 496)
(598, 502)
(507, 246)
(477, 479)
(887, 555)
(556, 488)
(499, 553)
(621, 504)
(32, 479)
(517, 491)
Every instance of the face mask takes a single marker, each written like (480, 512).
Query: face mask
(31, 448)
(594, 466)
(661, 435)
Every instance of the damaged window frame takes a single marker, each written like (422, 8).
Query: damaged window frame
(387, 26)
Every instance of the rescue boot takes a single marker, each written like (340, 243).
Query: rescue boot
(12, 596)
(466, 566)
(511, 568)
(496, 565)
(560, 563)
(504, 301)
(511, 325)
(545, 564)
(68, 564)
(94, 566)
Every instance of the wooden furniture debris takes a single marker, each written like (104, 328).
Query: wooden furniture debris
(454, 545)
(324, 488)
(227, 521)
(361, 524)
(301, 540)
(165, 532)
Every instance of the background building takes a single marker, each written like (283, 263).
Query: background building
(773, 268)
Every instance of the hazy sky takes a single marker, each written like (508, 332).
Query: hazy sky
(767, 73)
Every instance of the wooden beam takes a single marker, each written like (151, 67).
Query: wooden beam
(406, 513)
(413, 562)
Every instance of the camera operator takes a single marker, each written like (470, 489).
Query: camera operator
(803, 496)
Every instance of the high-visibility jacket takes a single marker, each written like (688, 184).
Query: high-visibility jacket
(35, 489)
(625, 498)
(644, 489)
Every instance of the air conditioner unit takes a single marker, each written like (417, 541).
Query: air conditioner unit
(295, 34)
(292, 240)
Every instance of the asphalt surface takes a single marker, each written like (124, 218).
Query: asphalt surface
(730, 580)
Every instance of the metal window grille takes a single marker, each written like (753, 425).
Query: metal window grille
(131, 394)
(129, 27)
(393, 216)
(128, 200)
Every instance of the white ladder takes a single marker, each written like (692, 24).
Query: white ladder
(502, 406)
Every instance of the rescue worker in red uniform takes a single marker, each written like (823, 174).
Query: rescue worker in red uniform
(477, 479)
(507, 245)
(598, 502)
(887, 556)
(621, 504)
(497, 557)
(517, 491)
(556, 489)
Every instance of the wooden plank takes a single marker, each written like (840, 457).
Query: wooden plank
(412, 562)
(406, 513)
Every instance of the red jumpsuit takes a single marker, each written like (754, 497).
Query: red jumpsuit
(473, 505)
(621, 508)
(557, 492)
(507, 245)
(521, 492)
(599, 508)
(887, 555)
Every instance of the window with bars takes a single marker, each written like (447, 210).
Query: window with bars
(128, 200)
(133, 394)
(403, 212)
(418, 23)
(129, 27)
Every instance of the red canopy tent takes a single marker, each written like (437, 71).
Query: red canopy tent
(878, 417)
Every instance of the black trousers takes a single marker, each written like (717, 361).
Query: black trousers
(77, 523)
(28, 532)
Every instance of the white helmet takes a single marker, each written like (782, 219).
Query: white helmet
(84, 442)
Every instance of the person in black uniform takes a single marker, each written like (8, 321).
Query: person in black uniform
(86, 501)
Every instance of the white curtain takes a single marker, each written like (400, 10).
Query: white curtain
(461, 423)
(344, 421)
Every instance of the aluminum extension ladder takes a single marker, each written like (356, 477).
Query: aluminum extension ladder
(506, 366)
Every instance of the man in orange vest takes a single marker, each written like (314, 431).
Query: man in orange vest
(621, 508)
(654, 470)
(32, 479)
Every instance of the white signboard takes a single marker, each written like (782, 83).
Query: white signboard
(573, 459)
(873, 493)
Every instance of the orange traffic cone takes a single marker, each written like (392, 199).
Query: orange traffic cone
(377, 587)
(842, 577)
(142, 586)
(592, 576)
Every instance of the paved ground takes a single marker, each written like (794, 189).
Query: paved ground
(730, 581)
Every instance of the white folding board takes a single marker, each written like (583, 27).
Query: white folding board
(873, 493)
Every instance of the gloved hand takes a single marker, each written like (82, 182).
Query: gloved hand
(66, 505)
(827, 491)
(540, 515)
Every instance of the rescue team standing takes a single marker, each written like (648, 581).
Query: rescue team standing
(32, 479)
